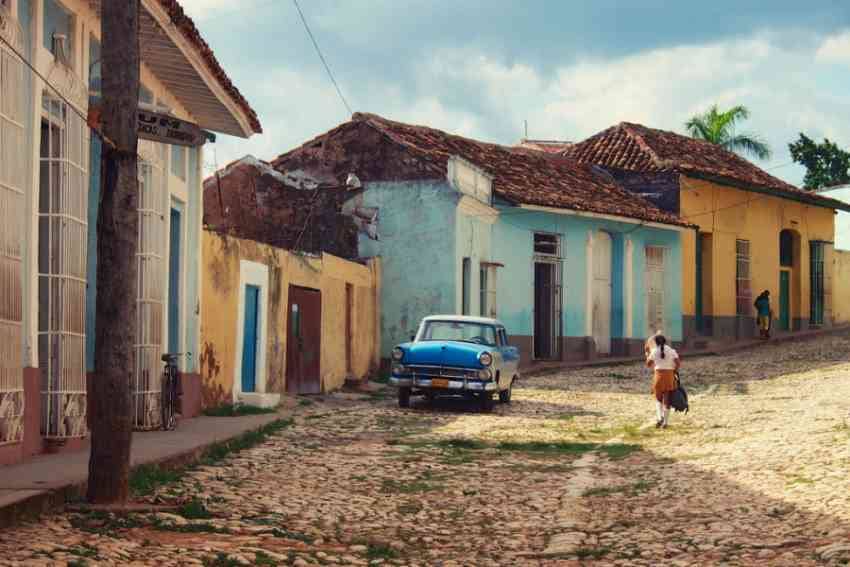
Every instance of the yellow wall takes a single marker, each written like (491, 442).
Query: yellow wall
(841, 287)
(729, 214)
(328, 274)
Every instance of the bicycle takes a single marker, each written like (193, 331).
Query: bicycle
(170, 392)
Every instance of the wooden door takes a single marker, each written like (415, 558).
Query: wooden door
(303, 343)
(785, 300)
(249, 339)
(602, 292)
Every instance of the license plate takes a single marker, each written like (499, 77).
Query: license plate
(439, 383)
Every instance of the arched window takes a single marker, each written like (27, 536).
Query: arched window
(786, 248)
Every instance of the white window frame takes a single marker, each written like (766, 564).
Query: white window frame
(743, 301)
(256, 274)
(487, 305)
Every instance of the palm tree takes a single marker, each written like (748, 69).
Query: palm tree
(719, 128)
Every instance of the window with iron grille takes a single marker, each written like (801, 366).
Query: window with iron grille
(743, 282)
(546, 244)
(654, 271)
(786, 248)
(12, 183)
(150, 310)
(816, 271)
(62, 247)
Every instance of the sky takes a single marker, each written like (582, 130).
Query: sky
(482, 68)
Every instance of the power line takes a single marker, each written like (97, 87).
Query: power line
(322, 57)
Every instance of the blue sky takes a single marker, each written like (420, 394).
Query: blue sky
(480, 68)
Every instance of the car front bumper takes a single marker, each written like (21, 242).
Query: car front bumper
(455, 384)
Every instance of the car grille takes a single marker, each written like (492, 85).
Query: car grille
(420, 370)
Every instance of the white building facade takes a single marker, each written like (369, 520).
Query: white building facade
(49, 194)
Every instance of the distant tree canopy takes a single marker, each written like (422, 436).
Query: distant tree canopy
(719, 127)
(826, 164)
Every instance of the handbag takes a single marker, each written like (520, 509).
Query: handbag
(679, 397)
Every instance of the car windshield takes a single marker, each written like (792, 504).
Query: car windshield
(459, 331)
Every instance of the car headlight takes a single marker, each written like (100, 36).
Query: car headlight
(484, 374)
(398, 354)
(485, 358)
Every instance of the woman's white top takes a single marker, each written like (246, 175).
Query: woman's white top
(666, 363)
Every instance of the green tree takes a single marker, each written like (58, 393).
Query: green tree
(718, 127)
(826, 164)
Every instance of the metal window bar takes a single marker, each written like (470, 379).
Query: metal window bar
(150, 305)
(816, 308)
(547, 249)
(743, 282)
(12, 182)
(63, 209)
(655, 292)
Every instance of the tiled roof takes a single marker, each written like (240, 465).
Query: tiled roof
(187, 27)
(633, 147)
(520, 176)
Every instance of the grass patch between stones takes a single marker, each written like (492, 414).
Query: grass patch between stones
(236, 410)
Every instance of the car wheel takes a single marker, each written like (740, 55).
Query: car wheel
(505, 395)
(404, 397)
(486, 402)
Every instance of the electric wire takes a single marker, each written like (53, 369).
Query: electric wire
(322, 57)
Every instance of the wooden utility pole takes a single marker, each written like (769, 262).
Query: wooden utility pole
(117, 243)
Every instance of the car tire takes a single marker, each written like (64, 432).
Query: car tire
(505, 395)
(486, 402)
(404, 397)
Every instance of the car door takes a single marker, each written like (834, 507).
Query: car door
(510, 359)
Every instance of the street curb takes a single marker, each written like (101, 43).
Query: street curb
(732, 348)
(46, 501)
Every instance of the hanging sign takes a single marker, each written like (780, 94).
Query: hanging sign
(166, 129)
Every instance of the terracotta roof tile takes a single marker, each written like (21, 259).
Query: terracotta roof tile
(634, 147)
(520, 176)
(187, 27)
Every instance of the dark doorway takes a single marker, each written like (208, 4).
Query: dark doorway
(547, 310)
(785, 300)
(174, 281)
(303, 342)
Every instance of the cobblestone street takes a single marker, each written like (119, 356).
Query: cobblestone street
(573, 471)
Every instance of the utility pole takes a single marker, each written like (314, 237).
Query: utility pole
(117, 243)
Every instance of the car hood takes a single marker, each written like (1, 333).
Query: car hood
(444, 353)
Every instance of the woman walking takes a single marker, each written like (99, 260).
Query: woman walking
(664, 362)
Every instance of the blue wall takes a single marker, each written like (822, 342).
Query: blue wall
(416, 231)
(513, 245)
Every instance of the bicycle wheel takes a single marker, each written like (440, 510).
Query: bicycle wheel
(167, 401)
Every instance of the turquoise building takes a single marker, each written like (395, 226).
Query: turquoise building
(575, 266)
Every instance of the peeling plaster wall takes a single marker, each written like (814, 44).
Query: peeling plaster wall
(416, 243)
(326, 273)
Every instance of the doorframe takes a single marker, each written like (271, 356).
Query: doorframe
(256, 274)
(175, 204)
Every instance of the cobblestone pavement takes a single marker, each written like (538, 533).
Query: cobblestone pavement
(572, 472)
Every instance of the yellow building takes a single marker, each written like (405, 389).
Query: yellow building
(276, 322)
(753, 231)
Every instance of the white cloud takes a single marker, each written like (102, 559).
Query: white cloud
(835, 49)
(200, 10)
(786, 87)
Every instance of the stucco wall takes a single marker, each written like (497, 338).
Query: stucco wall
(513, 245)
(416, 243)
(328, 274)
(842, 218)
(729, 214)
(841, 289)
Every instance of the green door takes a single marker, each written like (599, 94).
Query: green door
(785, 300)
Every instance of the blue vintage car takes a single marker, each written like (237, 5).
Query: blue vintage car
(456, 355)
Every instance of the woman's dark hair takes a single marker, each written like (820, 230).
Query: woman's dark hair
(661, 340)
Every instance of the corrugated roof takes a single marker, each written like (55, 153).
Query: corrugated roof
(634, 147)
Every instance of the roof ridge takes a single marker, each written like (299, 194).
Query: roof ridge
(644, 145)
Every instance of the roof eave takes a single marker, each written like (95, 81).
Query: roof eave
(814, 200)
(238, 122)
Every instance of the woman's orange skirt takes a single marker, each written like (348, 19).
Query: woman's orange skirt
(663, 381)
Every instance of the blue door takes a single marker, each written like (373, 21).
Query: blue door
(174, 282)
(249, 340)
